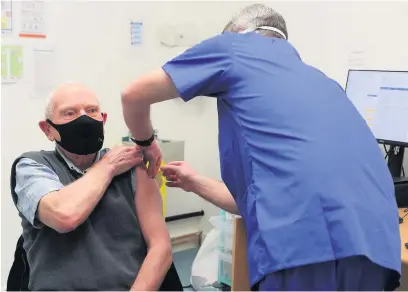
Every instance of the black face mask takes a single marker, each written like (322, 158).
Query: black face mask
(81, 136)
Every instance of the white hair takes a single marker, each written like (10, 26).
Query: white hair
(257, 15)
(50, 103)
(49, 106)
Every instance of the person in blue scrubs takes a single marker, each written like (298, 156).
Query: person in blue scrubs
(298, 162)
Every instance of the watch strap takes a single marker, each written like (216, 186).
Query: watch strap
(144, 143)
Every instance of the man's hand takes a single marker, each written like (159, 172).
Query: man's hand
(178, 174)
(121, 158)
(66, 209)
(153, 155)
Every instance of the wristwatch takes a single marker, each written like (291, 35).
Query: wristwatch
(144, 143)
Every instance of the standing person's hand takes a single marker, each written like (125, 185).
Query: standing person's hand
(179, 174)
(121, 158)
(153, 155)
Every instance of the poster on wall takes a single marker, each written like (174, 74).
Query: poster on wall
(6, 16)
(12, 64)
(44, 72)
(136, 33)
(33, 19)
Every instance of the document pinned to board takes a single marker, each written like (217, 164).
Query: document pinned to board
(45, 72)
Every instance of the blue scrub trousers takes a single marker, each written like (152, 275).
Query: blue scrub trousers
(355, 273)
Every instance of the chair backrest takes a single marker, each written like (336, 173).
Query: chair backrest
(20, 273)
(172, 280)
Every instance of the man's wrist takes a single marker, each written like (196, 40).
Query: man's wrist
(105, 167)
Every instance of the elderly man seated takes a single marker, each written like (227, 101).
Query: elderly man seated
(92, 219)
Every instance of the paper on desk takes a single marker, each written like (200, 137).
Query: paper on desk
(44, 72)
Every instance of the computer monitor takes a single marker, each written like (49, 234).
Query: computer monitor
(381, 97)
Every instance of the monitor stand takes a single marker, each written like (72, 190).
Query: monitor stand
(395, 161)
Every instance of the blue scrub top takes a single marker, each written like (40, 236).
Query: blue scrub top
(304, 168)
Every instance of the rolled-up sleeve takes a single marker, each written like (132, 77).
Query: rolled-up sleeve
(203, 70)
(33, 182)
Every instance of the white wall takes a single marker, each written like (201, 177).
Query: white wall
(91, 40)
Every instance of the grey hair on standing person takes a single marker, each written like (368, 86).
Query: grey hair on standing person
(255, 16)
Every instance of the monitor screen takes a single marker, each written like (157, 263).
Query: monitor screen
(381, 97)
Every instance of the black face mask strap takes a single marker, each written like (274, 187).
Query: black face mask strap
(50, 122)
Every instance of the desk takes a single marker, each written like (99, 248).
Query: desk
(404, 251)
(240, 279)
(404, 236)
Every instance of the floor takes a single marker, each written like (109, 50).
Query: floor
(183, 260)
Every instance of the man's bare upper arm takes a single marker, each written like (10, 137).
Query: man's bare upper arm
(149, 208)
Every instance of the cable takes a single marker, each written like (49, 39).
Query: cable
(386, 151)
(401, 220)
